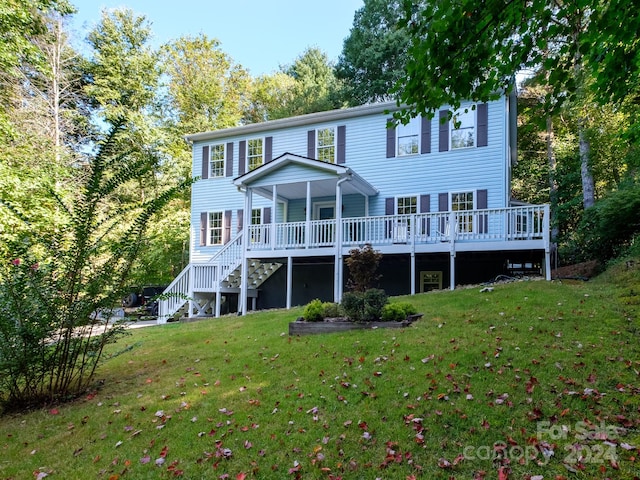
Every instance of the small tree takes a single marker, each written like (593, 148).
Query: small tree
(59, 287)
(363, 264)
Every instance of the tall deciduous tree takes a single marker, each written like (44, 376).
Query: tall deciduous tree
(123, 74)
(471, 50)
(375, 52)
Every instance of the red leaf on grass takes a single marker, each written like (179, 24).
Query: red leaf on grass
(54, 411)
(241, 476)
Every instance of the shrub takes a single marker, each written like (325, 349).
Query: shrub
(353, 305)
(364, 306)
(397, 312)
(363, 264)
(331, 310)
(374, 301)
(57, 292)
(313, 311)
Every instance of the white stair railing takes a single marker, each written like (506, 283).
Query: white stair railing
(200, 277)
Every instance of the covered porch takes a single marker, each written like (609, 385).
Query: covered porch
(318, 209)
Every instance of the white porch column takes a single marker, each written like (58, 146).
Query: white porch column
(338, 270)
(307, 228)
(244, 271)
(218, 301)
(274, 210)
(289, 280)
(452, 270)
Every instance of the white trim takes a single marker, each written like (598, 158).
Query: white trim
(473, 109)
(224, 160)
(418, 121)
(246, 159)
(335, 143)
(318, 205)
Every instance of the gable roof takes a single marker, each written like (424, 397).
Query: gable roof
(299, 170)
(300, 120)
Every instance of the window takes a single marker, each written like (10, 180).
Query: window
(255, 154)
(216, 162)
(215, 228)
(463, 130)
(408, 136)
(326, 145)
(461, 202)
(407, 205)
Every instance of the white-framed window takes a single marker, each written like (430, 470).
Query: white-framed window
(216, 225)
(407, 205)
(463, 128)
(461, 202)
(408, 138)
(326, 144)
(255, 153)
(217, 160)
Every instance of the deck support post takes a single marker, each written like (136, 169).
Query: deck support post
(289, 280)
(218, 302)
(338, 270)
(452, 270)
(244, 269)
(413, 273)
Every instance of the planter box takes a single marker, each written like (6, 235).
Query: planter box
(300, 327)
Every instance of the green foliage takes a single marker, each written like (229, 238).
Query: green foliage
(58, 291)
(397, 311)
(609, 227)
(374, 54)
(331, 310)
(363, 264)
(364, 306)
(314, 311)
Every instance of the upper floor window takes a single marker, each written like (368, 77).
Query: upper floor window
(463, 129)
(255, 153)
(408, 137)
(216, 161)
(215, 228)
(326, 144)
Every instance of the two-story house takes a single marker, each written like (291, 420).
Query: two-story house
(279, 205)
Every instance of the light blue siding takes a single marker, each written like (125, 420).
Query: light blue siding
(468, 169)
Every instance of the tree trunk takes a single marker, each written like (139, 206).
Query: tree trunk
(553, 185)
(588, 188)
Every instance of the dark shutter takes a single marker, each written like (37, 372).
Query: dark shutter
(204, 217)
(389, 207)
(425, 134)
(481, 204)
(205, 161)
(242, 156)
(266, 214)
(240, 219)
(268, 149)
(311, 144)
(229, 159)
(226, 228)
(425, 207)
(342, 134)
(391, 139)
(443, 129)
(443, 206)
(483, 124)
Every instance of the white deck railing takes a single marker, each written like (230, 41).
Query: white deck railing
(497, 224)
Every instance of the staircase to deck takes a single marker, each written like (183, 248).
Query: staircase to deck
(220, 274)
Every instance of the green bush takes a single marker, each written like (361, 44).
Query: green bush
(353, 305)
(314, 311)
(331, 310)
(374, 301)
(397, 312)
(364, 306)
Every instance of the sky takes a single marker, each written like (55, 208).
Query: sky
(260, 35)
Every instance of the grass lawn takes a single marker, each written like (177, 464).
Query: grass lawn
(532, 380)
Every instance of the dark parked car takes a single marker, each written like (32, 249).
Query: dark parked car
(144, 297)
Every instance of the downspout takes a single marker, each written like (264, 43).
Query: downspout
(339, 271)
